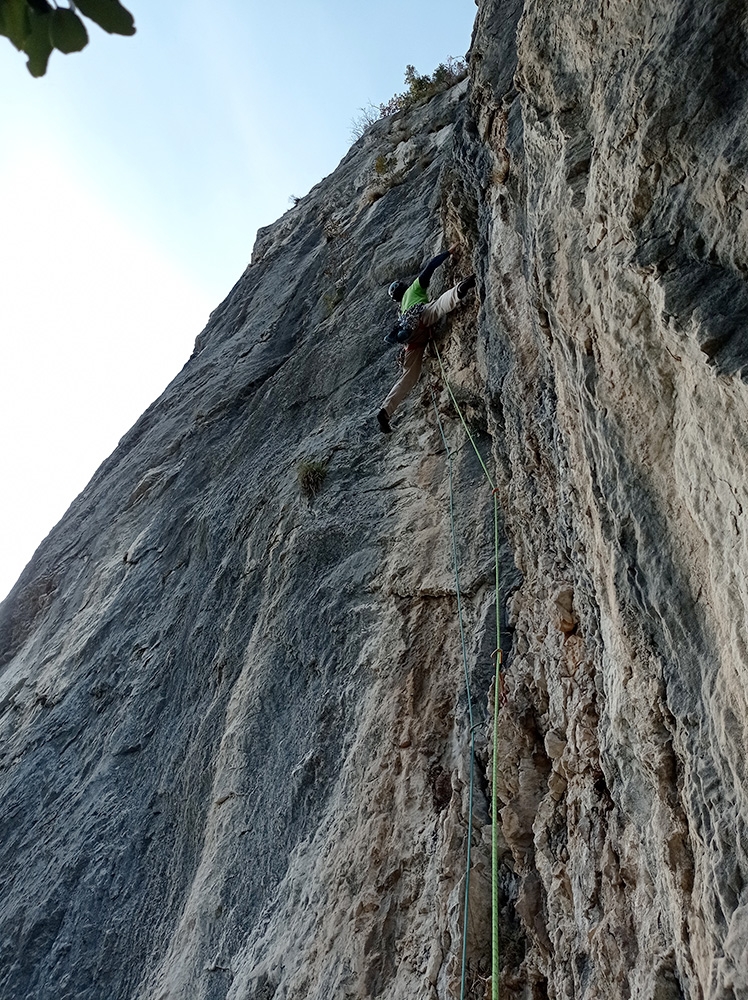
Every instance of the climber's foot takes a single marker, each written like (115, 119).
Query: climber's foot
(384, 422)
(465, 285)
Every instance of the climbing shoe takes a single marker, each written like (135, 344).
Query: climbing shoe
(465, 285)
(384, 422)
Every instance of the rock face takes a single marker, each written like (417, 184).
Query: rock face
(235, 732)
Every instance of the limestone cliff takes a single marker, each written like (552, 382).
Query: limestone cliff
(234, 745)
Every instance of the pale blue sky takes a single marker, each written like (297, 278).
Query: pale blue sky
(133, 178)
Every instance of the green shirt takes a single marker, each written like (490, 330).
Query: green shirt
(413, 295)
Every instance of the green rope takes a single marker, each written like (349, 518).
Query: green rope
(463, 974)
(494, 775)
(497, 689)
(459, 411)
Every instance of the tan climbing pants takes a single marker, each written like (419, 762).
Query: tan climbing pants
(411, 371)
(433, 312)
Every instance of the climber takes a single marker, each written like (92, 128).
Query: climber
(417, 316)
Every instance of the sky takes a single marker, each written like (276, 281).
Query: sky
(133, 179)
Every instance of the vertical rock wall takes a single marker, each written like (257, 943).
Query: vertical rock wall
(610, 171)
(234, 734)
(234, 726)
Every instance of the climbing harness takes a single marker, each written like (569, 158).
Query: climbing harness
(407, 326)
(410, 321)
(498, 688)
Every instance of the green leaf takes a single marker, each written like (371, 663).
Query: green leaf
(66, 31)
(109, 15)
(14, 21)
(38, 45)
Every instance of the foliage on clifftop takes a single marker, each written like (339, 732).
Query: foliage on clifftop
(421, 87)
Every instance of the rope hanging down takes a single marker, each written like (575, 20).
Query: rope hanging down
(496, 698)
(471, 782)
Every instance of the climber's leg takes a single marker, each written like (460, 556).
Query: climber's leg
(435, 310)
(401, 388)
(446, 302)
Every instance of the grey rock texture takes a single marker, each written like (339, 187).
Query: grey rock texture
(233, 724)
(613, 330)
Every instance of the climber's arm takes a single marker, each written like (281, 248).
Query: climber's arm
(425, 276)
